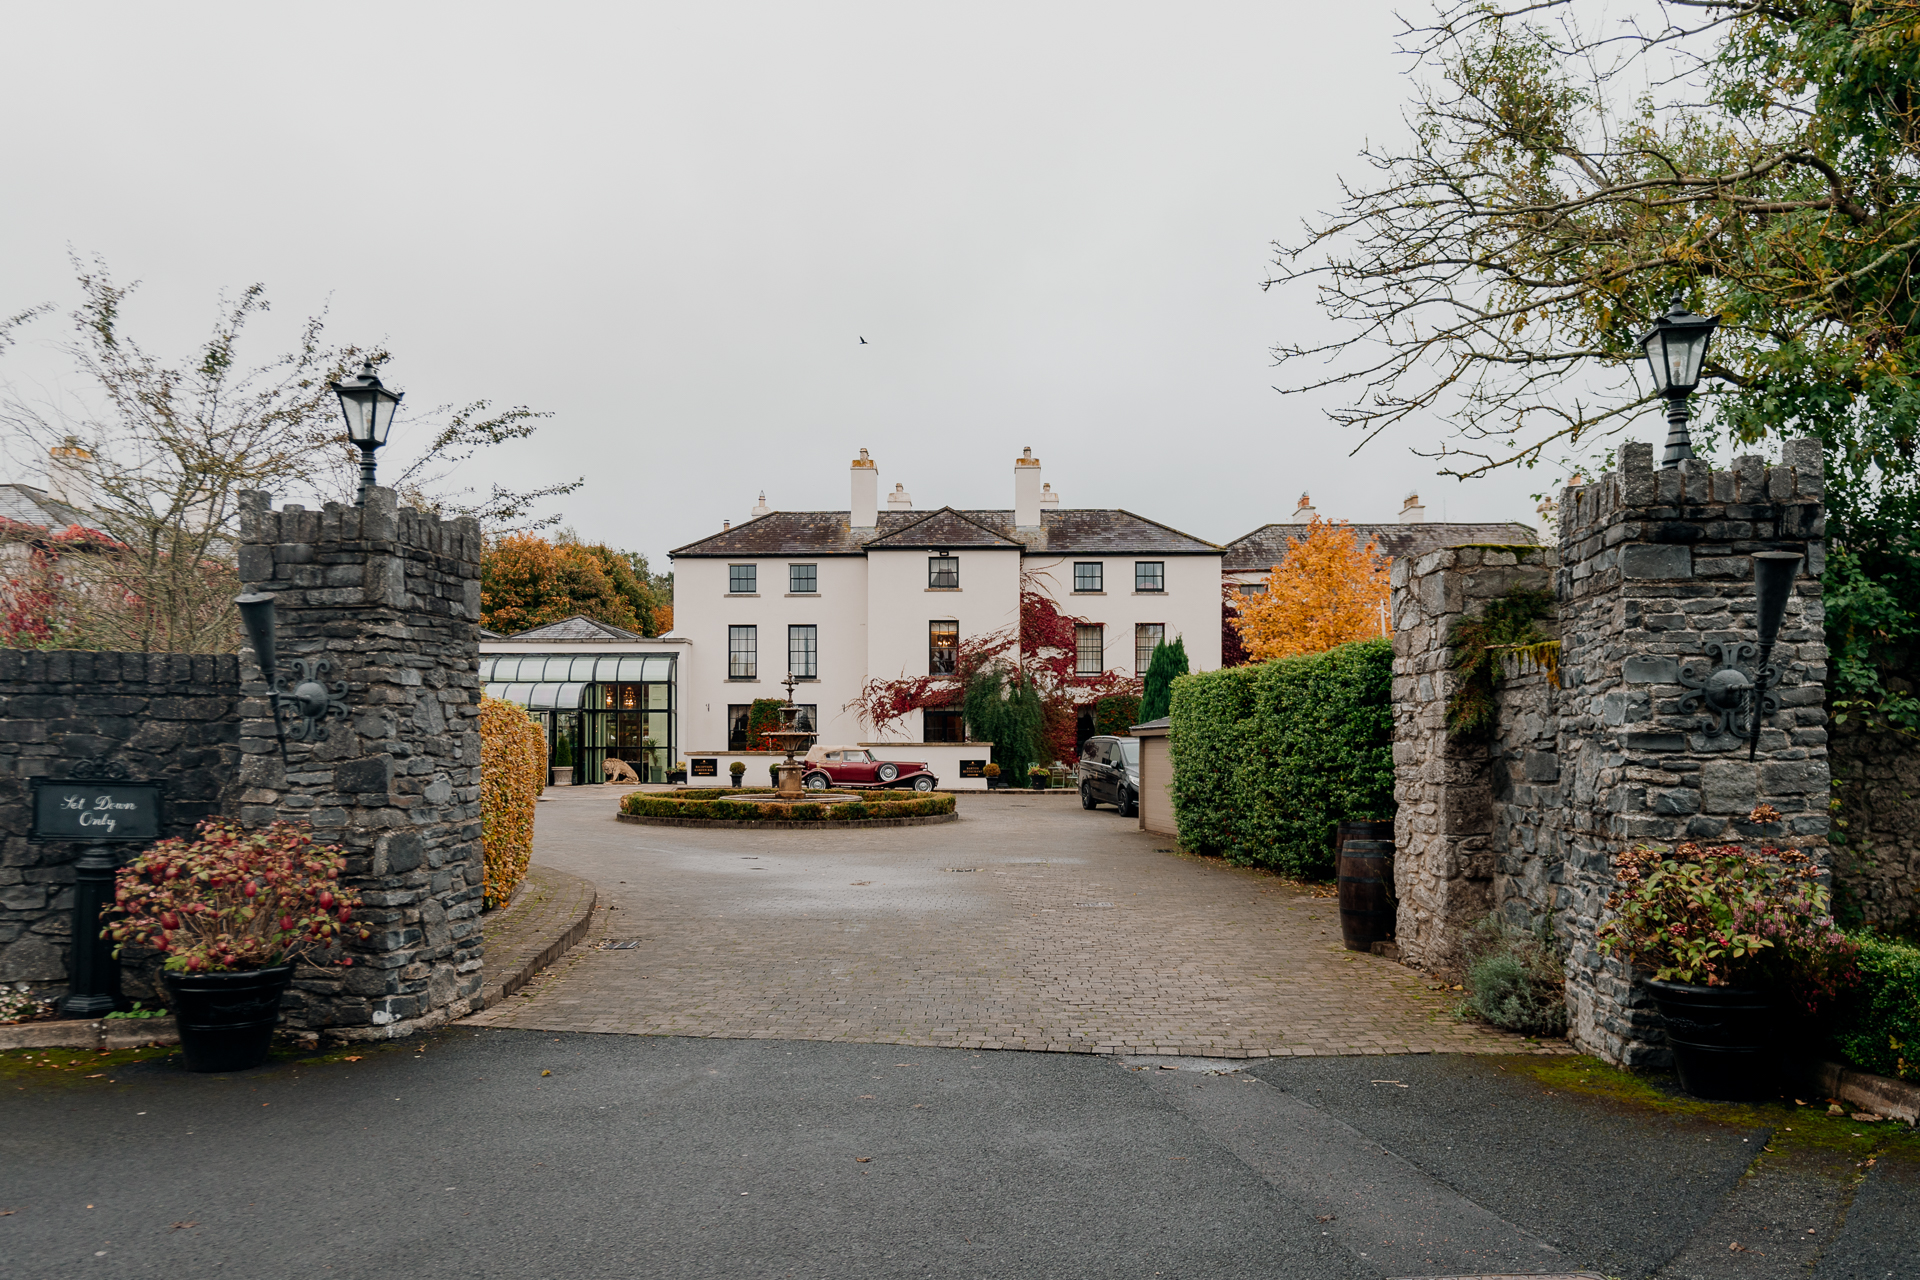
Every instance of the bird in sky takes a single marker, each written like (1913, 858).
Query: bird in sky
(863, 342)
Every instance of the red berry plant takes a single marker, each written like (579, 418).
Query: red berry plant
(231, 899)
(1725, 915)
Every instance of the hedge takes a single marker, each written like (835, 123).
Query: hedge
(1268, 758)
(1881, 1021)
(513, 773)
(642, 804)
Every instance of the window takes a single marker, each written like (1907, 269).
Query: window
(1146, 636)
(803, 652)
(1252, 588)
(943, 571)
(1149, 575)
(740, 713)
(743, 653)
(1089, 575)
(802, 579)
(943, 647)
(741, 579)
(1089, 650)
(945, 725)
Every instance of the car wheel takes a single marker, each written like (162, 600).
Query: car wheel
(814, 782)
(1086, 797)
(1128, 806)
(887, 772)
(923, 783)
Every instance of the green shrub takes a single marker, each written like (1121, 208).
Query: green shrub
(1880, 1024)
(1115, 714)
(1169, 663)
(1268, 758)
(725, 807)
(1514, 979)
(1005, 710)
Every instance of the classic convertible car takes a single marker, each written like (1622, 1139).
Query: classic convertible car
(856, 767)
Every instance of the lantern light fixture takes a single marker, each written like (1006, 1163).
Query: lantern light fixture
(368, 407)
(1676, 351)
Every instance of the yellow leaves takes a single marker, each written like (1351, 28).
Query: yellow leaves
(513, 772)
(1329, 591)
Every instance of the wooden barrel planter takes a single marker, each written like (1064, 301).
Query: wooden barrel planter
(1370, 829)
(1366, 893)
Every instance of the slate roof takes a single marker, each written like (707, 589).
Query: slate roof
(1076, 530)
(25, 504)
(577, 628)
(1267, 546)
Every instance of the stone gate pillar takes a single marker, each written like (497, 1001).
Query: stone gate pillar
(1654, 566)
(391, 598)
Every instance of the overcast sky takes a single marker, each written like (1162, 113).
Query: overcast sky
(670, 224)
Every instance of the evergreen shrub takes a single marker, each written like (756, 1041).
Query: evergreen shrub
(1169, 663)
(1880, 1023)
(643, 804)
(1116, 714)
(513, 773)
(1268, 758)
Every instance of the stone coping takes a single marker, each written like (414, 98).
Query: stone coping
(1869, 1092)
(775, 824)
(86, 1033)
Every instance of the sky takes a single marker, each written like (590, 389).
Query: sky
(671, 225)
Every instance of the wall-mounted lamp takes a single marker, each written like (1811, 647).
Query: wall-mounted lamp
(301, 705)
(1734, 692)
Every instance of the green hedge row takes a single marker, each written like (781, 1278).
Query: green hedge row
(642, 804)
(1881, 1020)
(1268, 758)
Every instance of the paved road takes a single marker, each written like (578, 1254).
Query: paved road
(670, 1157)
(1029, 924)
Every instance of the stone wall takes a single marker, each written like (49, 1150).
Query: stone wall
(1457, 800)
(1876, 853)
(391, 598)
(1654, 566)
(168, 716)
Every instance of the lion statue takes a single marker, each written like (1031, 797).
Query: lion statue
(620, 771)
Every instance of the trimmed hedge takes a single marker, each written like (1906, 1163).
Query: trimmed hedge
(642, 804)
(1268, 758)
(513, 773)
(1881, 1021)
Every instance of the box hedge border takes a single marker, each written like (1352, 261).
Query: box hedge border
(643, 804)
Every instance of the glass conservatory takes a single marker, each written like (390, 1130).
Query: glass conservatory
(596, 707)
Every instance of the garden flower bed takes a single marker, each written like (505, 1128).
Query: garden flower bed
(757, 807)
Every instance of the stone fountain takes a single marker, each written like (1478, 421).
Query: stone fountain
(789, 738)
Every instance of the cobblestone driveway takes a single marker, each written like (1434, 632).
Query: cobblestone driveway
(1029, 924)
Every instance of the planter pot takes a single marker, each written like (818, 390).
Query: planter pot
(677, 776)
(563, 775)
(1722, 1038)
(993, 784)
(736, 778)
(1366, 893)
(1039, 783)
(226, 1019)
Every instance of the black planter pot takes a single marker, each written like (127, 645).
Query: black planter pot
(226, 1020)
(677, 776)
(1039, 783)
(1724, 1047)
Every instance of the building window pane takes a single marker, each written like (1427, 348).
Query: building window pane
(737, 725)
(1089, 575)
(743, 653)
(1253, 588)
(1090, 650)
(803, 652)
(943, 647)
(1146, 637)
(1149, 575)
(944, 725)
(943, 571)
(803, 579)
(741, 579)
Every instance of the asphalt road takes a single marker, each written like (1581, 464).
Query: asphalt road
(657, 1156)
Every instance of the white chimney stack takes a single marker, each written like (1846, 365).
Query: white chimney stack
(1026, 491)
(866, 492)
(899, 499)
(1049, 500)
(67, 478)
(1411, 512)
(760, 508)
(1304, 513)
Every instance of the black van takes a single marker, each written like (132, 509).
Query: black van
(1110, 774)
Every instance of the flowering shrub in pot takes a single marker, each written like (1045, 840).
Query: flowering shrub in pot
(1738, 949)
(231, 911)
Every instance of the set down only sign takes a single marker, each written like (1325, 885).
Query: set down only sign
(96, 812)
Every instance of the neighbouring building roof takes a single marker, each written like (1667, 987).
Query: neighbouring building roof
(575, 630)
(25, 504)
(1075, 530)
(1268, 545)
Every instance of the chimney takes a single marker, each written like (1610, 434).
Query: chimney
(899, 499)
(67, 478)
(725, 525)
(1304, 513)
(1049, 500)
(760, 508)
(1411, 512)
(1026, 491)
(866, 492)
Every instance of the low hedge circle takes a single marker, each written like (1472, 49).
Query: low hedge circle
(699, 807)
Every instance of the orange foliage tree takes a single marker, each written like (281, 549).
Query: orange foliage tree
(1328, 591)
(527, 581)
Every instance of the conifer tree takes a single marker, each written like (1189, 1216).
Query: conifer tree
(1169, 660)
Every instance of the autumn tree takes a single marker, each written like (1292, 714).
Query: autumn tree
(1328, 591)
(528, 581)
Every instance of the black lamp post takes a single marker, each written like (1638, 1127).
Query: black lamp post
(368, 408)
(1676, 348)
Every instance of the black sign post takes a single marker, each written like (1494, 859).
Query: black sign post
(99, 806)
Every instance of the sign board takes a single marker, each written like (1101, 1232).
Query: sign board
(973, 768)
(706, 767)
(96, 812)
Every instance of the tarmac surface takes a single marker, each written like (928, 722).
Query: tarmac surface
(480, 1153)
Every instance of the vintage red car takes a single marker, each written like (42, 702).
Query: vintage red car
(856, 767)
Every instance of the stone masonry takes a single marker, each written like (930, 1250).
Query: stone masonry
(390, 597)
(167, 716)
(1876, 843)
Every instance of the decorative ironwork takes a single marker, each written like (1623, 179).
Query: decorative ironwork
(304, 703)
(1726, 690)
(98, 769)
